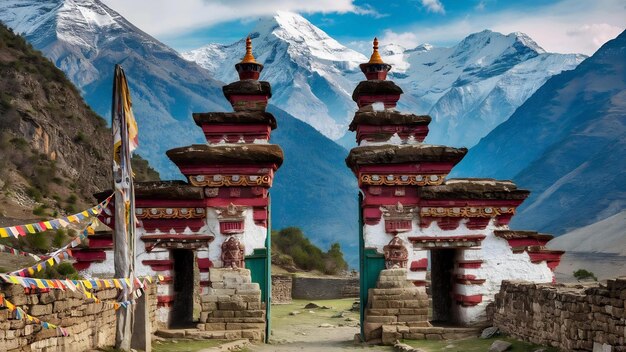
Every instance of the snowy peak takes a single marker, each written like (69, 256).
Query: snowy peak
(307, 69)
(487, 48)
(300, 33)
(80, 23)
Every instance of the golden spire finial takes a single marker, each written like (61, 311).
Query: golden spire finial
(248, 58)
(375, 58)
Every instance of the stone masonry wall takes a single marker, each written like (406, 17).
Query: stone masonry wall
(395, 310)
(570, 317)
(324, 288)
(281, 289)
(90, 325)
(232, 308)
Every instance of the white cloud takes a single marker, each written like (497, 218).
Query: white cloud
(596, 34)
(407, 40)
(434, 6)
(166, 17)
(569, 26)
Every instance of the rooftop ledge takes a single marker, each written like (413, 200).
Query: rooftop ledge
(202, 154)
(368, 116)
(474, 188)
(398, 154)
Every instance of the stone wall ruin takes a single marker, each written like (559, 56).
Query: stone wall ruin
(589, 317)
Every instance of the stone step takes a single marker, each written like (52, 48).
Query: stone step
(442, 333)
(250, 334)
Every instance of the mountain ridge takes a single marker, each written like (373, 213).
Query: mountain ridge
(470, 87)
(573, 134)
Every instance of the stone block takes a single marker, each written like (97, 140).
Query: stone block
(250, 313)
(379, 304)
(214, 326)
(414, 336)
(252, 335)
(381, 319)
(396, 304)
(243, 326)
(382, 312)
(235, 305)
(390, 335)
(254, 305)
(372, 330)
(232, 334)
(223, 314)
(221, 291)
(412, 318)
(40, 309)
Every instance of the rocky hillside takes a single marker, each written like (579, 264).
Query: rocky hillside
(53, 147)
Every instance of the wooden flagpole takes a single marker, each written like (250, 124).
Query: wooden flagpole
(124, 256)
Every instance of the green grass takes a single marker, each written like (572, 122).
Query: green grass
(184, 345)
(281, 318)
(473, 345)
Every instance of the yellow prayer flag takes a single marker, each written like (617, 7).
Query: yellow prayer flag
(87, 283)
(48, 225)
(30, 228)
(3, 232)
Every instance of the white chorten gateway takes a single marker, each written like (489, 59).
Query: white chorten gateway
(414, 217)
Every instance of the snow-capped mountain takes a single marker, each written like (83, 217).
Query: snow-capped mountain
(468, 89)
(313, 189)
(567, 144)
(85, 39)
(472, 87)
(308, 69)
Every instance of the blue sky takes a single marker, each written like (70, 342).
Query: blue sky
(564, 26)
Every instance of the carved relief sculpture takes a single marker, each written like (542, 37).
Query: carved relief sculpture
(233, 253)
(396, 254)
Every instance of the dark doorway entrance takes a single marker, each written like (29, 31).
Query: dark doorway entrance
(182, 309)
(442, 266)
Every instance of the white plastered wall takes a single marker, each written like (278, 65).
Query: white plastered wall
(499, 262)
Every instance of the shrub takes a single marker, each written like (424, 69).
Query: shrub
(59, 238)
(71, 199)
(34, 193)
(40, 210)
(38, 242)
(582, 274)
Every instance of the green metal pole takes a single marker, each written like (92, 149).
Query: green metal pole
(362, 273)
(268, 266)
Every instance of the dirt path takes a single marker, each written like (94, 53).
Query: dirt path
(316, 329)
(313, 338)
